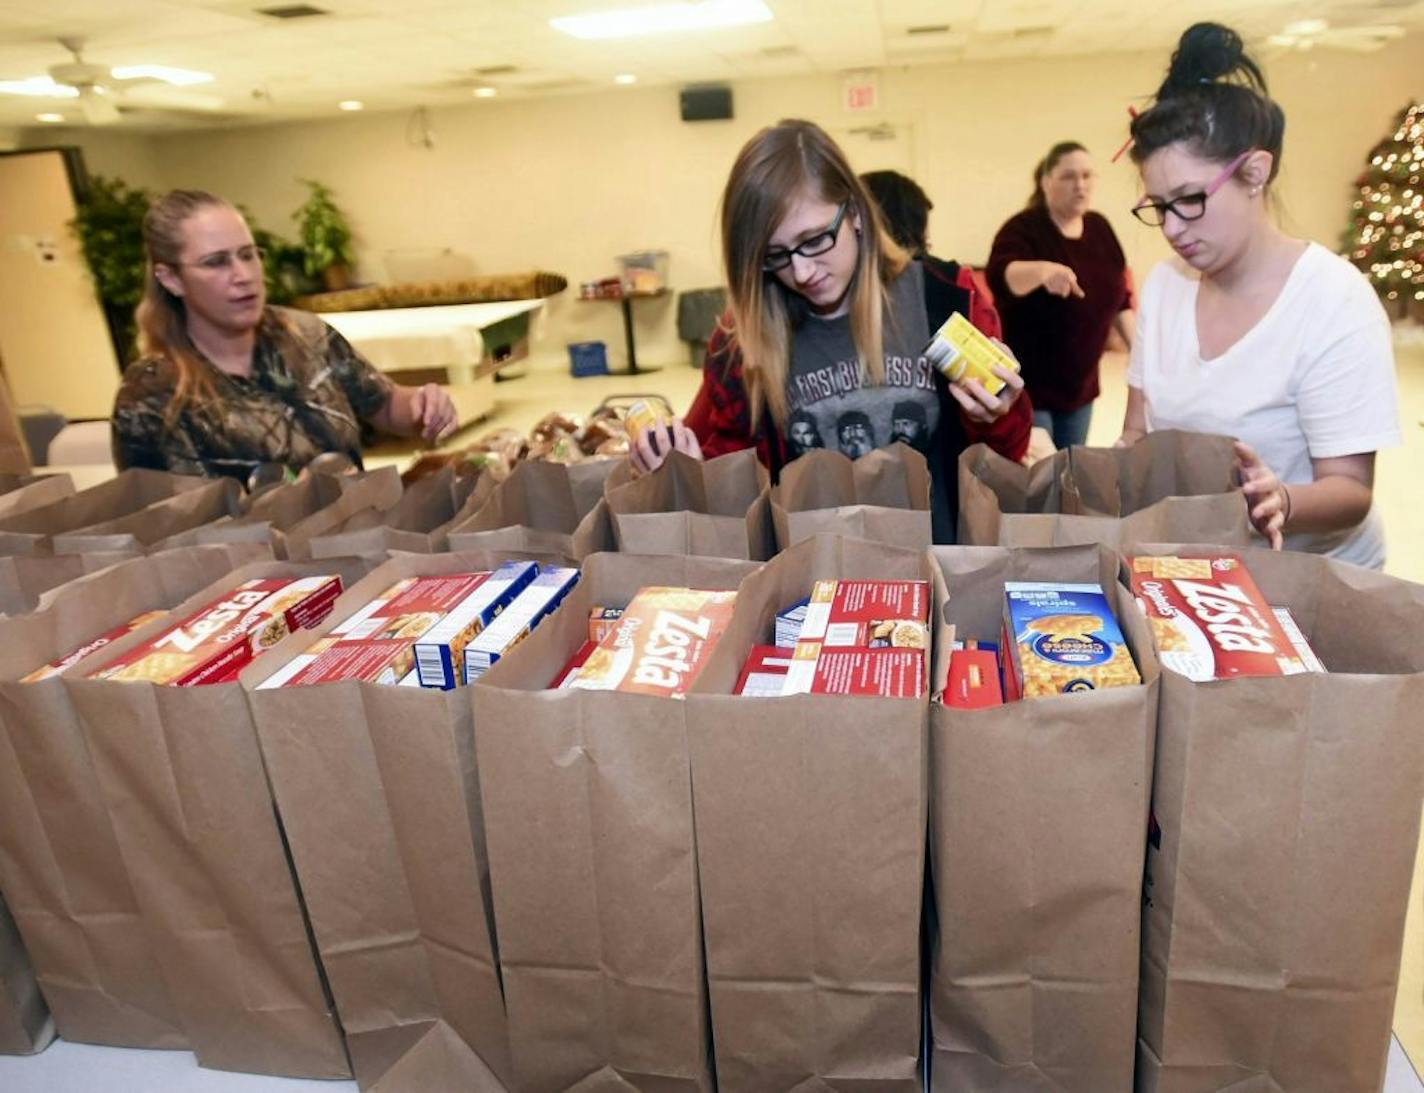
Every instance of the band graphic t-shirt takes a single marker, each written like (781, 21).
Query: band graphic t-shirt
(829, 403)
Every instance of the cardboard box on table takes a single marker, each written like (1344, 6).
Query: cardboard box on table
(25, 1024)
(380, 795)
(160, 911)
(719, 508)
(588, 815)
(33, 530)
(551, 508)
(1038, 817)
(1169, 486)
(811, 820)
(419, 523)
(882, 497)
(1286, 816)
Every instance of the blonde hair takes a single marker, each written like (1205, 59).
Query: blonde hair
(779, 166)
(161, 317)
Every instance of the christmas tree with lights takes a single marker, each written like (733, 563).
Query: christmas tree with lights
(1385, 239)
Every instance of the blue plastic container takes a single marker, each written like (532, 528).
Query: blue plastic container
(588, 359)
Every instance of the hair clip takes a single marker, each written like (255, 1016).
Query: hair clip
(1132, 113)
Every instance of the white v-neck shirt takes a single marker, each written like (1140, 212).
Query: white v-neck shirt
(1314, 378)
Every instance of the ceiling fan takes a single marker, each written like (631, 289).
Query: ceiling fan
(1305, 34)
(101, 91)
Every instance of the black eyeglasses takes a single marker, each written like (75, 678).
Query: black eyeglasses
(780, 257)
(221, 261)
(1188, 206)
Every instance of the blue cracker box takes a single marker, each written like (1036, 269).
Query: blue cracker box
(539, 598)
(1064, 638)
(440, 651)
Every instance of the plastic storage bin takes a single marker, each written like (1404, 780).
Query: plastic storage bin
(588, 359)
(643, 272)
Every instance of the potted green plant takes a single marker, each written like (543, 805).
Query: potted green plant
(325, 236)
(108, 223)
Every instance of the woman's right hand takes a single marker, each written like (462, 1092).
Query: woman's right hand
(1060, 280)
(1129, 438)
(654, 445)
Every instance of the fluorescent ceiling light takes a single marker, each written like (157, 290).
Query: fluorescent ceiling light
(625, 78)
(351, 104)
(49, 119)
(39, 86)
(485, 92)
(1307, 27)
(179, 77)
(663, 19)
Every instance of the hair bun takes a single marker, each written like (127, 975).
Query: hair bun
(1206, 53)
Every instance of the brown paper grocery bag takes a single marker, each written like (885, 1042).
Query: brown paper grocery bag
(61, 869)
(288, 517)
(546, 507)
(21, 493)
(25, 1024)
(883, 497)
(193, 817)
(811, 815)
(1286, 817)
(419, 523)
(1171, 485)
(380, 795)
(719, 509)
(159, 526)
(32, 531)
(588, 814)
(14, 458)
(24, 579)
(1036, 844)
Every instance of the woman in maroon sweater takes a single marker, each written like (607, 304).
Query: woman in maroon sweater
(1060, 282)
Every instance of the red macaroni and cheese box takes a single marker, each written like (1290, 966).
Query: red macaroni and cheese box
(875, 673)
(1209, 620)
(377, 643)
(868, 614)
(214, 644)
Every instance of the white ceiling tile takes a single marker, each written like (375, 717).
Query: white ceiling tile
(400, 51)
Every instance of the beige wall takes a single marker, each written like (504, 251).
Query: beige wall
(567, 183)
(131, 157)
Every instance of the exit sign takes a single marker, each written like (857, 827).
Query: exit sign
(862, 92)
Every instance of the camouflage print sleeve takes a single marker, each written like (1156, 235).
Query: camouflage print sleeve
(138, 434)
(367, 390)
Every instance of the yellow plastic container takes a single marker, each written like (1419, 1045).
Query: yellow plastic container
(963, 352)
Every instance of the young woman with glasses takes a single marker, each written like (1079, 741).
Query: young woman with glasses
(1249, 331)
(1060, 282)
(826, 329)
(225, 383)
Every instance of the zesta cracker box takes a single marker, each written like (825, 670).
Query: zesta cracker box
(214, 644)
(660, 643)
(1209, 620)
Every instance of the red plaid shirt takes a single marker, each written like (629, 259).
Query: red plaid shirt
(721, 413)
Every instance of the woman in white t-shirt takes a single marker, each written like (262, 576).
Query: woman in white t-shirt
(1249, 331)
